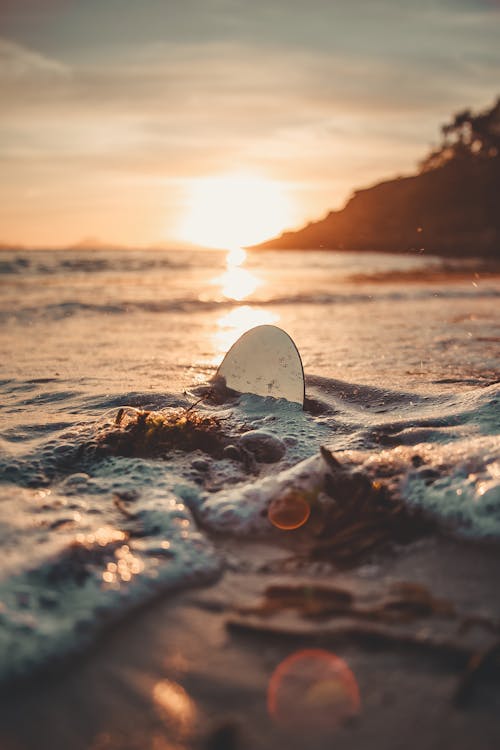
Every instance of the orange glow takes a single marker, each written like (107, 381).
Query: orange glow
(124, 569)
(103, 536)
(236, 209)
(237, 282)
(289, 512)
(174, 706)
(312, 690)
(234, 323)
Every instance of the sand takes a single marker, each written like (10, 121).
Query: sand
(190, 671)
(398, 358)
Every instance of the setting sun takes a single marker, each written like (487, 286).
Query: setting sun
(233, 210)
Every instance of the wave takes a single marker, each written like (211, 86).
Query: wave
(88, 536)
(38, 263)
(58, 311)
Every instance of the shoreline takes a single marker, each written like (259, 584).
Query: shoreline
(402, 375)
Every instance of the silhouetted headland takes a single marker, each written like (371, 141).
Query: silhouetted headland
(450, 208)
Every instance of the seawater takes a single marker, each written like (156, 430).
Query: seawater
(401, 356)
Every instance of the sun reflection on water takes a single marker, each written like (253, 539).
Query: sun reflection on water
(236, 256)
(233, 324)
(126, 566)
(237, 283)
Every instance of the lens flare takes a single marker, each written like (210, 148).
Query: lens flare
(289, 512)
(312, 690)
(174, 707)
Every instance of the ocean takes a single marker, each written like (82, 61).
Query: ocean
(401, 355)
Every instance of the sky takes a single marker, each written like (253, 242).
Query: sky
(144, 122)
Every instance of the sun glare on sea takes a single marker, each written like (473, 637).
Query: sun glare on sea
(234, 210)
(238, 320)
(236, 282)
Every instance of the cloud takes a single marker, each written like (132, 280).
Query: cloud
(320, 94)
(230, 84)
(17, 63)
(325, 122)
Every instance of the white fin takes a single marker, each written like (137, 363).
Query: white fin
(264, 361)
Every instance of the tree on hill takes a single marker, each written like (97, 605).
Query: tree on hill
(467, 136)
(450, 208)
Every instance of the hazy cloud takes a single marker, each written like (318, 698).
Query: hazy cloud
(318, 93)
(18, 62)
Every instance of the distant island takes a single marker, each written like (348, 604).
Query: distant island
(451, 207)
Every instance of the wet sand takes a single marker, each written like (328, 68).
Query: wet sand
(192, 671)
(399, 357)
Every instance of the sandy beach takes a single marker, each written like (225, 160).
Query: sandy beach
(215, 664)
(148, 600)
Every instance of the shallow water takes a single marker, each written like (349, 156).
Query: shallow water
(401, 355)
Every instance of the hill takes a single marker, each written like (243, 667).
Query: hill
(451, 207)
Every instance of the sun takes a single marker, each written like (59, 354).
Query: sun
(234, 210)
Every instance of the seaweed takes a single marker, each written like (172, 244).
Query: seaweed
(312, 600)
(383, 621)
(408, 601)
(403, 603)
(362, 516)
(154, 434)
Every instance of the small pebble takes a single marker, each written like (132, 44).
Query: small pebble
(264, 446)
(232, 452)
(200, 464)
